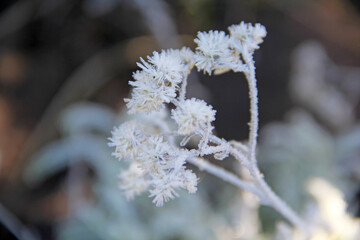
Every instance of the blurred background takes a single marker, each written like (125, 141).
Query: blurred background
(64, 68)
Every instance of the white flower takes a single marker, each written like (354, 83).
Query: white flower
(239, 31)
(163, 166)
(214, 53)
(193, 114)
(159, 158)
(187, 58)
(165, 185)
(244, 35)
(154, 154)
(168, 67)
(133, 181)
(159, 79)
(149, 96)
(126, 138)
(155, 165)
(259, 33)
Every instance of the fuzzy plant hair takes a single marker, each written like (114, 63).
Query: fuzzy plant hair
(157, 162)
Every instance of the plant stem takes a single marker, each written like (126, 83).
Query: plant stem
(182, 91)
(254, 111)
(277, 203)
(227, 176)
(274, 200)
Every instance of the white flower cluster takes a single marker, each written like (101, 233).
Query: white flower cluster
(220, 53)
(156, 164)
(159, 79)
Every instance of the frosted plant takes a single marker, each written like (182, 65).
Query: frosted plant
(157, 162)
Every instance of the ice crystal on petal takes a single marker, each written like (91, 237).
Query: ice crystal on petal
(154, 154)
(213, 52)
(175, 178)
(158, 80)
(187, 58)
(168, 68)
(259, 33)
(158, 166)
(246, 35)
(239, 31)
(126, 138)
(192, 114)
(148, 97)
(163, 193)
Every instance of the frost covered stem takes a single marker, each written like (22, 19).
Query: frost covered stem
(254, 119)
(274, 201)
(277, 203)
(182, 91)
(265, 193)
(229, 177)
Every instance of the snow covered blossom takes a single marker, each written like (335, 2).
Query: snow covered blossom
(165, 166)
(159, 79)
(186, 56)
(246, 35)
(219, 53)
(213, 52)
(155, 165)
(193, 114)
(126, 138)
(165, 188)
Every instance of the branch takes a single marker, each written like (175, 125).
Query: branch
(275, 201)
(227, 176)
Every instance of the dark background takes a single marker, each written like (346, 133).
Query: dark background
(57, 52)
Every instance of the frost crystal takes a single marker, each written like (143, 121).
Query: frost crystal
(247, 35)
(193, 114)
(158, 80)
(213, 52)
(126, 138)
(156, 165)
